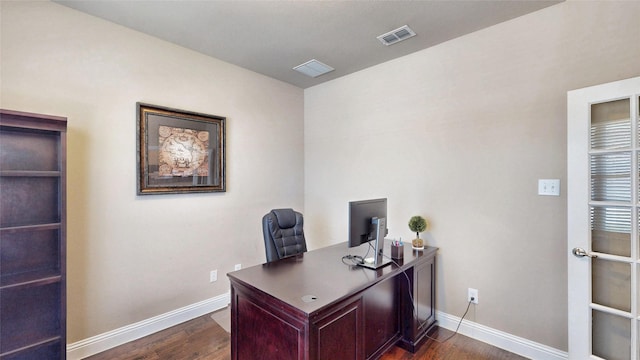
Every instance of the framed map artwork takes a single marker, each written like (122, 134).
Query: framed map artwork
(179, 151)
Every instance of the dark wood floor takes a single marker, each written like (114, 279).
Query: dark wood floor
(202, 338)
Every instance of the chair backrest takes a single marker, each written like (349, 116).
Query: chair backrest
(283, 234)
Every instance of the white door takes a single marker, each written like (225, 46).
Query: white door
(603, 221)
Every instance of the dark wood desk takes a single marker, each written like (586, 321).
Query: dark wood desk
(313, 306)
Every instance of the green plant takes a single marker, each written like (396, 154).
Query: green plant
(417, 224)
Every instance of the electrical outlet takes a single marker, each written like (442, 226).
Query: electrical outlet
(213, 276)
(472, 295)
(237, 267)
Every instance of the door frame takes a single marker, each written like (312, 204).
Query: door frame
(578, 222)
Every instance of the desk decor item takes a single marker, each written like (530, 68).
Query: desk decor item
(397, 249)
(417, 224)
(179, 151)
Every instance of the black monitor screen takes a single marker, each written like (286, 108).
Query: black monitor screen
(360, 213)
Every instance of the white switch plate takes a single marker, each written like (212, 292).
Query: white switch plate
(549, 187)
(213, 276)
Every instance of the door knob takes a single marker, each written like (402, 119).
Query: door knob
(580, 252)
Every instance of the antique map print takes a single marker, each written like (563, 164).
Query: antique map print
(183, 152)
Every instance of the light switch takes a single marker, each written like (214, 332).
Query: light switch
(549, 187)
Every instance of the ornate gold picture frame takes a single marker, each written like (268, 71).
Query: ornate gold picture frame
(179, 151)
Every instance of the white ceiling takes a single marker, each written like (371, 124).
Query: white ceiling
(271, 37)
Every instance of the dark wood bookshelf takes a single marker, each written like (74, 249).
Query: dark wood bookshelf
(32, 236)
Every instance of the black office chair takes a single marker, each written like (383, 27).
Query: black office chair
(283, 234)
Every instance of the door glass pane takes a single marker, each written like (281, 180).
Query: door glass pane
(637, 255)
(611, 125)
(611, 284)
(611, 177)
(611, 336)
(611, 230)
(638, 117)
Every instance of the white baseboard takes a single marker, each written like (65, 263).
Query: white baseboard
(99, 343)
(497, 338)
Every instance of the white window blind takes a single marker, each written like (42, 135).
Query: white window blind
(611, 164)
(611, 177)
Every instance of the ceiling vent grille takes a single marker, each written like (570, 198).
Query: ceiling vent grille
(313, 68)
(397, 35)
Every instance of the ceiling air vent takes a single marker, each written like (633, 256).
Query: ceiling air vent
(313, 68)
(397, 35)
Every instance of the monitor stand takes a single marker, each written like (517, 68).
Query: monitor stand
(380, 225)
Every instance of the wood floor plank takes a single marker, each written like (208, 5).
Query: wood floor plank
(203, 339)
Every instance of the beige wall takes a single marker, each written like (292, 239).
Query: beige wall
(460, 133)
(131, 258)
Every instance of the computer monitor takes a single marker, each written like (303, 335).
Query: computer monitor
(368, 222)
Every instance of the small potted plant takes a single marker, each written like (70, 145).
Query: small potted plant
(417, 224)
